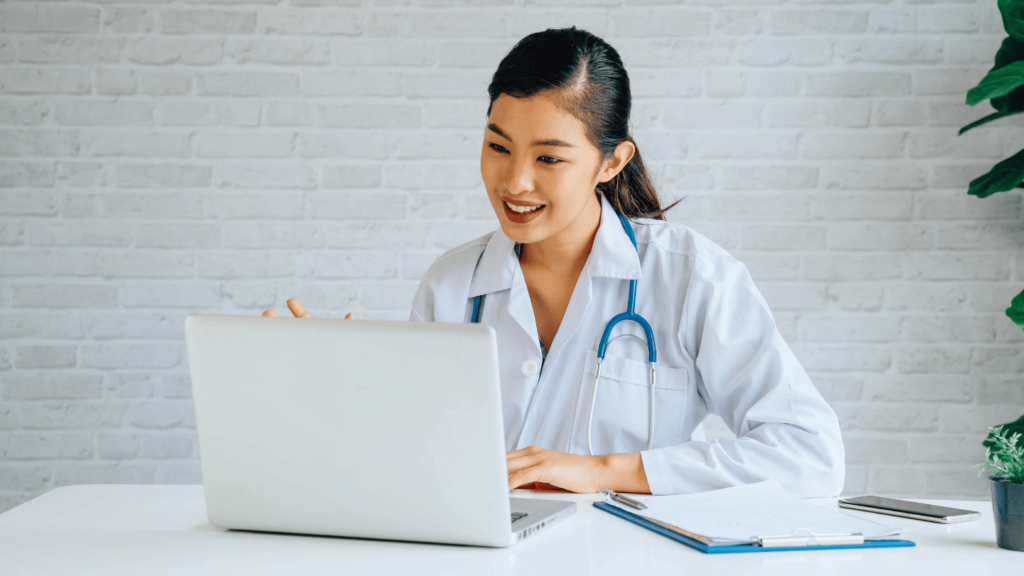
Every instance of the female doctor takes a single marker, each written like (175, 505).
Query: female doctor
(560, 166)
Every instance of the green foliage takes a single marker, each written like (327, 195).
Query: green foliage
(998, 82)
(1004, 176)
(989, 118)
(1016, 313)
(1011, 50)
(1013, 18)
(1003, 87)
(1005, 454)
(1013, 427)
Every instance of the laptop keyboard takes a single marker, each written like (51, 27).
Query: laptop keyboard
(517, 515)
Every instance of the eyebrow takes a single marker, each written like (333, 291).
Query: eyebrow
(551, 142)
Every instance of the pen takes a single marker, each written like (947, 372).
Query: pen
(623, 499)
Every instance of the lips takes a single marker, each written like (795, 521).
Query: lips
(523, 209)
(522, 214)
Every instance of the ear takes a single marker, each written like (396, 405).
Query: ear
(612, 166)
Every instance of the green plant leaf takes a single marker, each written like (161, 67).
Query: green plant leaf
(1016, 310)
(1015, 426)
(1013, 18)
(998, 82)
(1012, 102)
(1004, 176)
(1010, 51)
(988, 119)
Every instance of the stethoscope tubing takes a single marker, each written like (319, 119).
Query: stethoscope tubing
(629, 315)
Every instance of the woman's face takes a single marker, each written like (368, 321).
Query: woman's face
(537, 158)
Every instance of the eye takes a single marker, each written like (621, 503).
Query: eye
(498, 147)
(553, 160)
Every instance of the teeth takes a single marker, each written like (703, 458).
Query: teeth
(521, 209)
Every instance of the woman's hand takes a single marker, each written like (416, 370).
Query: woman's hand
(538, 468)
(297, 310)
(542, 469)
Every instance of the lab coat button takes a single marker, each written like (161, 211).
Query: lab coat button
(529, 368)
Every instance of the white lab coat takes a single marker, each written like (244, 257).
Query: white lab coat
(718, 351)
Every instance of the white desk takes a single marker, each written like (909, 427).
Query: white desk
(153, 530)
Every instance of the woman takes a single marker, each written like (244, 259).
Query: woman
(559, 167)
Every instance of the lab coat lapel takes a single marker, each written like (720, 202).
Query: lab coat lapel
(575, 312)
(521, 308)
(499, 270)
(611, 255)
(497, 265)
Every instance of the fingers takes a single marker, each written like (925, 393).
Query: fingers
(523, 451)
(516, 463)
(528, 480)
(538, 468)
(520, 478)
(542, 486)
(524, 469)
(516, 460)
(297, 309)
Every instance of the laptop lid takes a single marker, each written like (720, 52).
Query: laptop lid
(371, 429)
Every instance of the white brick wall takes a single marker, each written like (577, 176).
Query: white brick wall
(162, 157)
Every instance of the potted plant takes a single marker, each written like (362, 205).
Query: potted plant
(1005, 455)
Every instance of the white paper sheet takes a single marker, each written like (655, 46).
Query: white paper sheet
(743, 513)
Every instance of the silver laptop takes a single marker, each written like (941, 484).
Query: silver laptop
(359, 428)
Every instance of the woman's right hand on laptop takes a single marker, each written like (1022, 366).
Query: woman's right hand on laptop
(297, 310)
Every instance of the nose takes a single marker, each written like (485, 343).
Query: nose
(520, 176)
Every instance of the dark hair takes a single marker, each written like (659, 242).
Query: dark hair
(587, 77)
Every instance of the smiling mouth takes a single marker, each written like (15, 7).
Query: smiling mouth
(523, 209)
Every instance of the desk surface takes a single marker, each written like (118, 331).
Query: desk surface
(153, 530)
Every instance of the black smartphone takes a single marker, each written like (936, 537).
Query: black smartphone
(915, 510)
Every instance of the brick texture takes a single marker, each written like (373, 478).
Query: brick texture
(161, 158)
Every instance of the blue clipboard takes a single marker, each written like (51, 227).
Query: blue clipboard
(732, 549)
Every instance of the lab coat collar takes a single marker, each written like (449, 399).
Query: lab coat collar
(612, 255)
(497, 265)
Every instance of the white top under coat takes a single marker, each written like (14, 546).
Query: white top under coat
(719, 351)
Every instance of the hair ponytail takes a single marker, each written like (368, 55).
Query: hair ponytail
(631, 192)
(589, 81)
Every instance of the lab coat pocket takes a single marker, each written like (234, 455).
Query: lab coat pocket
(622, 407)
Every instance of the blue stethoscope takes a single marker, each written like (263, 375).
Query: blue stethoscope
(629, 314)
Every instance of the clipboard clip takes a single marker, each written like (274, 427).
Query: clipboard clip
(792, 539)
(623, 499)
